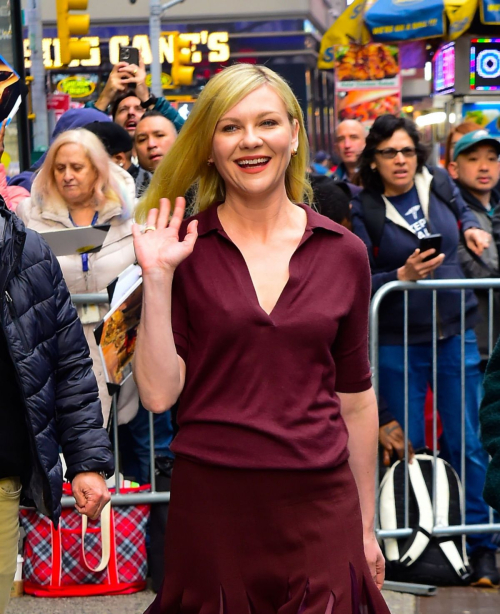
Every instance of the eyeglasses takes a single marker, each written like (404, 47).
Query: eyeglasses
(389, 153)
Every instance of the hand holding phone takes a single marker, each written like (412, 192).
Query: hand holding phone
(430, 242)
(417, 268)
(129, 55)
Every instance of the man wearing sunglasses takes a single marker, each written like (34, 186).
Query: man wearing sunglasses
(399, 206)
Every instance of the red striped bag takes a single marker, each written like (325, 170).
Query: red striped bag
(81, 558)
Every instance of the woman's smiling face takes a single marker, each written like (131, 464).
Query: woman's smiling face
(253, 143)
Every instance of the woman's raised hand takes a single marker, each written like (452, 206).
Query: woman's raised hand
(158, 248)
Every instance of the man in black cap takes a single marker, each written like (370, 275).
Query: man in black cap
(119, 145)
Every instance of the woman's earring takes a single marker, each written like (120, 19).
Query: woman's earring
(373, 168)
(210, 162)
(294, 153)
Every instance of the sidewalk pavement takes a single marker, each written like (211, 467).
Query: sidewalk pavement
(138, 602)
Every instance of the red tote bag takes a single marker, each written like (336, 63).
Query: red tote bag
(82, 558)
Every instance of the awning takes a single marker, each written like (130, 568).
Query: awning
(403, 20)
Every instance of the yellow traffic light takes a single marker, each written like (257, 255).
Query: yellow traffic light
(181, 73)
(72, 25)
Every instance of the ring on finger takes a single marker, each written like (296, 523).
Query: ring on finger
(135, 71)
(149, 228)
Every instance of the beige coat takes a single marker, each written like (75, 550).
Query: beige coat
(116, 254)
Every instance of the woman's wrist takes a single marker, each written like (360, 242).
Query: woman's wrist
(158, 275)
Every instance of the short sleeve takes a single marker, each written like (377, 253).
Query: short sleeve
(350, 349)
(180, 321)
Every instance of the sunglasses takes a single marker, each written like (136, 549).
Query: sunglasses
(389, 153)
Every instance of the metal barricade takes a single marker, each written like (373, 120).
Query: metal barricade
(117, 498)
(397, 286)
(434, 286)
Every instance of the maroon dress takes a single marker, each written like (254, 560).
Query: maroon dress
(264, 515)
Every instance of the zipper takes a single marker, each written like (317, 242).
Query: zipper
(17, 323)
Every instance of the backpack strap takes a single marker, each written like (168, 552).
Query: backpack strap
(443, 189)
(373, 208)
(421, 536)
(458, 560)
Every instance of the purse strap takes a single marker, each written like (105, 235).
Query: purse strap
(105, 538)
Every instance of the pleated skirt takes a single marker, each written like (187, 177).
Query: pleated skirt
(265, 542)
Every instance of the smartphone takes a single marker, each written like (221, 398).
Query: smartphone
(129, 54)
(431, 242)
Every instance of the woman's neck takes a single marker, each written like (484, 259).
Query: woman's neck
(260, 216)
(398, 190)
(82, 214)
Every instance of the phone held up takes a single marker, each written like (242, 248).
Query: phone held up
(430, 242)
(131, 56)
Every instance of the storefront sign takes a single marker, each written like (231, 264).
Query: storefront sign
(166, 81)
(485, 64)
(397, 20)
(443, 69)
(367, 81)
(486, 114)
(215, 48)
(76, 86)
(490, 11)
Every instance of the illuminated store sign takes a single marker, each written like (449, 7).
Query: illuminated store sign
(217, 44)
(443, 65)
(485, 64)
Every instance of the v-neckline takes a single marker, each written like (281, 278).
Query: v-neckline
(248, 283)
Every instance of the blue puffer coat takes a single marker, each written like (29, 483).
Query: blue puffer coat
(53, 368)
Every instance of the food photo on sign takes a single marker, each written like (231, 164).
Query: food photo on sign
(366, 105)
(372, 65)
(367, 81)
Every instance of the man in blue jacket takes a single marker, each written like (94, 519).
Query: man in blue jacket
(49, 394)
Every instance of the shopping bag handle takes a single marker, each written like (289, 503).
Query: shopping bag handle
(105, 538)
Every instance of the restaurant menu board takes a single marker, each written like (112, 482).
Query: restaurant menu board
(367, 81)
(485, 64)
(443, 69)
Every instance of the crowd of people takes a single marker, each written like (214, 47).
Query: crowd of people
(255, 319)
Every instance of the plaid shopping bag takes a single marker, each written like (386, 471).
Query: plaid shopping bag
(79, 558)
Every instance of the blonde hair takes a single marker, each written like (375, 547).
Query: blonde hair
(107, 186)
(186, 165)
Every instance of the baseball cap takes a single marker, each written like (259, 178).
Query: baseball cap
(321, 156)
(114, 138)
(472, 139)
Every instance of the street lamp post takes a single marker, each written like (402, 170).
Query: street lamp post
(38, 92)
(156, 9)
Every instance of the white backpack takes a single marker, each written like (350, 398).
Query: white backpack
(423, 558)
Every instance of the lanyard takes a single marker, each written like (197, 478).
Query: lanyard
(85, 257)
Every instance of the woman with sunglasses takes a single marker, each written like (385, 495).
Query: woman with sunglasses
(400, 205)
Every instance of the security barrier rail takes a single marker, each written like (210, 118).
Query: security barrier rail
(434, 286)
(398, 286)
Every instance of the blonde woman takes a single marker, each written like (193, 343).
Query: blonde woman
(78, 185)
(255, 316)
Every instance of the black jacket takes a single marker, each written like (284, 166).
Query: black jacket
(486, 266)
(52, 364)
